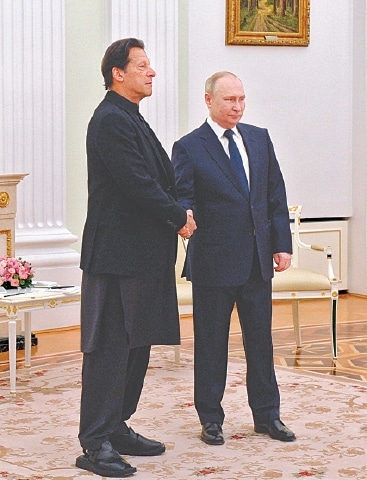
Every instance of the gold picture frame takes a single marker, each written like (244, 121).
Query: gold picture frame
(268, 22)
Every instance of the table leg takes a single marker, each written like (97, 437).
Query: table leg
(334, 345)
(12, 328)
(27, 339)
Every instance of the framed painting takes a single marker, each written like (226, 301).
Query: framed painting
(268, 22)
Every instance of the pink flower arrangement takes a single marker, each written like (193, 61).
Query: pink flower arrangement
(15, 272)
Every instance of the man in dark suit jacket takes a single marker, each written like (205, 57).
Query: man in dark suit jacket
(128, 256)
(243, 226)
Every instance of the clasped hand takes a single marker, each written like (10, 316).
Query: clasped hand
(188, 229)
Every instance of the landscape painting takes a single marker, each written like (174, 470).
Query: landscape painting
(268, 22)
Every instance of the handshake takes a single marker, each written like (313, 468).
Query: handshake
(188, 229)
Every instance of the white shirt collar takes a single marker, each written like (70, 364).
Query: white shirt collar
(218, 130)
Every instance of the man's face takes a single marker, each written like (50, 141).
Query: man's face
(227, 103)
(137, 76)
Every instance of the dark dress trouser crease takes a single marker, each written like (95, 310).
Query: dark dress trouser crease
(212, 311)
(114, 368)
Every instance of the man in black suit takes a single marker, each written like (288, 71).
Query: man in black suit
(228, 174)
(128, 256)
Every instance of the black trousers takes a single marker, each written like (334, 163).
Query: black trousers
(112, 379)
(212, 312)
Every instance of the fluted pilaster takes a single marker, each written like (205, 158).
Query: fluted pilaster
(32, 131)
(156, 23)
(32, 116)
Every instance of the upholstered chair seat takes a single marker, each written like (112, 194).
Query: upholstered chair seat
(300, 279)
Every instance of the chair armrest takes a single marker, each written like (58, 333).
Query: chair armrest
(318, 248)
(295, 213)
(329, 257)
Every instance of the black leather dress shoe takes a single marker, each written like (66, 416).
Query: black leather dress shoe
(212, 434)
(276, 429)
(134, 444)
(105, 462)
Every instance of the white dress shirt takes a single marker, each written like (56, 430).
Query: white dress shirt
(219, 131)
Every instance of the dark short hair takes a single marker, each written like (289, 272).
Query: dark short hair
(117, 55)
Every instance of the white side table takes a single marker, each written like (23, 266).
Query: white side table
(36, 299)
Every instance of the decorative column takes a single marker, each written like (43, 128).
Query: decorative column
(156, 23)
(32, 132)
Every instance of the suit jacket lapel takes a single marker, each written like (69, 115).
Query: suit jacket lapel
(219, 156)
(252, 154)
(163, 162)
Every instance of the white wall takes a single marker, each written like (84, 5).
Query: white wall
(303, 95)
(357, 224)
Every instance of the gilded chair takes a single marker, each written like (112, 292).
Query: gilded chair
(297, 283)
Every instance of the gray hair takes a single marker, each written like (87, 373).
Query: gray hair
(211, 82)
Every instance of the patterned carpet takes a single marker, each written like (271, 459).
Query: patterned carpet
(328, 414)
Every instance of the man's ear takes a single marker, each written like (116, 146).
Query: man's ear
(208, 100)
(118, 74)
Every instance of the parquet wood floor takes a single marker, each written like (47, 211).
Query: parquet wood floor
(315, 355)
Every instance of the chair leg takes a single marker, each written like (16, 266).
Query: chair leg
(296, 325)
(334, 311)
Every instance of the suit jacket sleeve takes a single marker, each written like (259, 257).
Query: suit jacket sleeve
(184, 171)
(277, 205)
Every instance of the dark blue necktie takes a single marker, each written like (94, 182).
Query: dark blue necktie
(236, 159)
